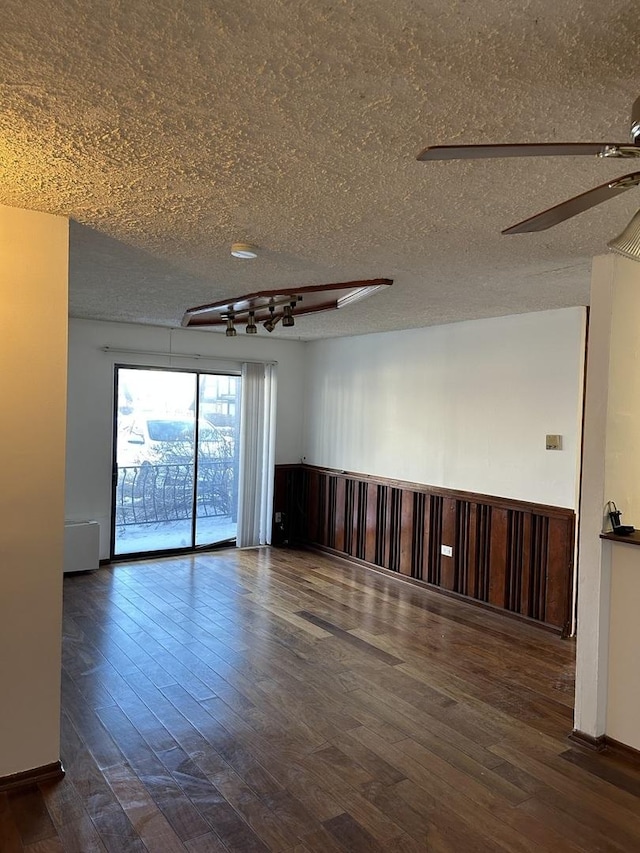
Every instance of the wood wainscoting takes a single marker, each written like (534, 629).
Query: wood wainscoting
(508, 554)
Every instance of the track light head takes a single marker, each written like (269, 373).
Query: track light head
(270, 324)
(252, 329)
(231, 329)
(288, 319)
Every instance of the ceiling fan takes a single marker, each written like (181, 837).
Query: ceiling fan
(573, 206)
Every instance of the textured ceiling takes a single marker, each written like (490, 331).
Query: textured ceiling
(168, 130)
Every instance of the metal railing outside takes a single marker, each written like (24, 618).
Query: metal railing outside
(152, 493)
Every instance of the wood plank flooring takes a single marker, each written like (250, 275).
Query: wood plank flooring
(282, 700)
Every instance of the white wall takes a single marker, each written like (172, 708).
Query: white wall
(33, 353)
(593, 571)
(622, 460)
(622, 484)
(607, 673)
(90, 400)
(465, 406)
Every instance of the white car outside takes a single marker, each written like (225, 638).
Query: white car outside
(165, 439)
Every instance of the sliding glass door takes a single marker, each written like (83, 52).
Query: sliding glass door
(216, 493)
(175, 465)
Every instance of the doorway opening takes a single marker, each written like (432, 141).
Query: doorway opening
(175, 460)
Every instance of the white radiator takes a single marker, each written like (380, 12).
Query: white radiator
(81, 546)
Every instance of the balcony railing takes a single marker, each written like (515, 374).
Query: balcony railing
(147, 494)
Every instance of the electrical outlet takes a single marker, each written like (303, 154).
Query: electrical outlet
(278, 517)
(446, 550)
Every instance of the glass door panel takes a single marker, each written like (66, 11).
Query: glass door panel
(217, 469)
(154, 469)
(175, 460)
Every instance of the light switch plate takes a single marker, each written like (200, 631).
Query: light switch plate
(554, 442)
(446, 550)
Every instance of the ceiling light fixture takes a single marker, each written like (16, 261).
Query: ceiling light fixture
(627, 244)
(244, 250)
(270, 324)
(252, 329)
(287, 319)
(269, 307)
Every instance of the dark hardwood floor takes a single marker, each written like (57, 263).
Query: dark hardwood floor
(282, 700)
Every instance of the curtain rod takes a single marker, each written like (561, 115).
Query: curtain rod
(184, 355)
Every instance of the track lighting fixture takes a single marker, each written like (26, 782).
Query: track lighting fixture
(267, 308)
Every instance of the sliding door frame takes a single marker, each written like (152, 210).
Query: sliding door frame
(165, 552)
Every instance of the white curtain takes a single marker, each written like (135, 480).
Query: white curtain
(257, 454)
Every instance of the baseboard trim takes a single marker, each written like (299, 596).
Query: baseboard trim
(47, 773)
(104, 562)
(596, 744)
(623, 750)
(604, 743)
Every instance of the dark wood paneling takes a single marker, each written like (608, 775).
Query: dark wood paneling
(360, 521)
(525, 582)
(382, 527)
(420, 532)
(315, 514)
(513, 555)
(435, 539)
(406, 533)
(371, 535)
(484, 516)
(339, 515)
(558, 551)
(395, 530)
(349, 515)
(515, 550)
(448, 572)
(498, 559)
(463, 545)
(539, 553)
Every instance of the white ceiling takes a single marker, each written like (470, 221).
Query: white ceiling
(168, 130)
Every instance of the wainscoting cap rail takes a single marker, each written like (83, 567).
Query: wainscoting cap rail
(197, 355)
(425, 488)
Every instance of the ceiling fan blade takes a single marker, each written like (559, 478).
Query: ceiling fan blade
(573, 206)
(543, 149)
